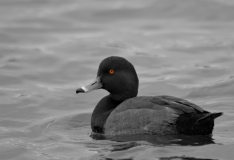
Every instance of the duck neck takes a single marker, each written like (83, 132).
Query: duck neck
(124, 96)
(130, 90)
(103, 109)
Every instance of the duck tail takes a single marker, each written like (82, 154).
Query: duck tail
(209, 117)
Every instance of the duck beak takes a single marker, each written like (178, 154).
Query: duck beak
(93, 86)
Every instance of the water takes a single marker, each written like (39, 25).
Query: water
(48, 49)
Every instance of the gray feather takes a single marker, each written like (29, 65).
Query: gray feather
(148, 115)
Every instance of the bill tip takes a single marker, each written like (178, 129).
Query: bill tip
(79, 90)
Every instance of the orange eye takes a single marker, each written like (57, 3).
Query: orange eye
(111, 71)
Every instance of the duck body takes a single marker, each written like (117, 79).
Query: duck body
(158, 115)
(123, 113)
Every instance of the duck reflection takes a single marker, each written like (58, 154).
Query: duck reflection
(170, 158)
(133, 143)
(181, 140)
(183, 158)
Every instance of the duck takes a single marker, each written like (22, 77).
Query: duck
(122, 112)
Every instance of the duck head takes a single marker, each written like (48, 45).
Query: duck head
(117, 76)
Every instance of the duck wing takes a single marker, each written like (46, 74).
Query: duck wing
(148, 115)
(159, 103)
(177, 103)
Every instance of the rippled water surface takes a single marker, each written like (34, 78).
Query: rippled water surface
(49, 48)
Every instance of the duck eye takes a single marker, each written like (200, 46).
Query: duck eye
(111, 71)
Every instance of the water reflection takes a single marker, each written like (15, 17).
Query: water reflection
(170, 158)
(184, 158)
(119, 159)
(181, 140)
(150, 147)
